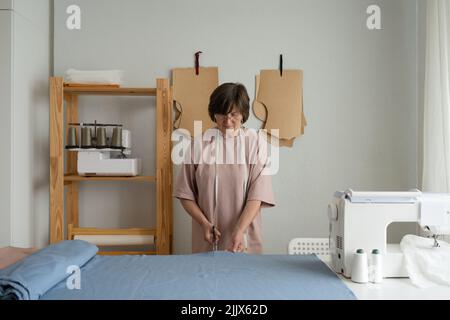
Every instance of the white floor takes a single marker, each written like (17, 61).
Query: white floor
(394, 289)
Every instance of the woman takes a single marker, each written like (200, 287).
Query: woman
(224, 198)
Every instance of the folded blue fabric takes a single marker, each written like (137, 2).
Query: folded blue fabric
(33, 276)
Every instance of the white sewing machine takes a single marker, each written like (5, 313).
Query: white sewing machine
(108, 161)
(359, 220)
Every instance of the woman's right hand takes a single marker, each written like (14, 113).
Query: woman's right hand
(196, 213)
(208, 233)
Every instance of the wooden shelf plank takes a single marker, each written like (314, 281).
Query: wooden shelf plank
(122, 231)
(71, 178)
(110, 91)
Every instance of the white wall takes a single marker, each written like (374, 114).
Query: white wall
(360, 94)
(5, 123)
(6, 4)
(27, 113)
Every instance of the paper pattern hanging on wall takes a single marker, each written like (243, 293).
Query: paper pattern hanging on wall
(279, 104)
(191, 94)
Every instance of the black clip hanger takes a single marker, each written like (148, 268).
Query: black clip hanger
(197, 64)
(281, 65)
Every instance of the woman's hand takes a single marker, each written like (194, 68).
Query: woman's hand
(249, 213)
(237, 241)
(208, 233)
(196, 213)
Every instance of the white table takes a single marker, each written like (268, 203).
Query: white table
(393, 289)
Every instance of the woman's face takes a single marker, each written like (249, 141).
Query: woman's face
(231, 122)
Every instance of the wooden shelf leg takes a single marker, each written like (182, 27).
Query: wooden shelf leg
(72, 189)
(69, 231)
(163, 166)
(56, 160)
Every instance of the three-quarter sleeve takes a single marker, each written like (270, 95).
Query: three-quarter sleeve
(259, 182)
(260, 186)
(186, 186)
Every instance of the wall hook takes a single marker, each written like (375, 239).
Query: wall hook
(281, 65)
(197, 64)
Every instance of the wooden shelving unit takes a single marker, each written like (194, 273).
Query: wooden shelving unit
(65, 96)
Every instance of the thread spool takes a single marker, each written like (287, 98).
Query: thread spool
(101, 138)
(376, 272)
(86, 138)
(360, 272)
(126, 139)
(116, 142)
(72, 138)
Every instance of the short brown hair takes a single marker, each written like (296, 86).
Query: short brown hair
(225, 97)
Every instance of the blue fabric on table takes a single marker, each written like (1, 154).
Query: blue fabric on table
(30, 278)
(206, 276)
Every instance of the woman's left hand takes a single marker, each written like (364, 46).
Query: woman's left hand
(237, 241)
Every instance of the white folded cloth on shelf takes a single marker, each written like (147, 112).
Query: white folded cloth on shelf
(94, 76)
(427, 266)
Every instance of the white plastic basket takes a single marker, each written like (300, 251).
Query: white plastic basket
(318, 246)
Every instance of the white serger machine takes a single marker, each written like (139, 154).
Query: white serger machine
(359, 220)
(99, 155)
(109, 162)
